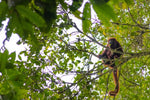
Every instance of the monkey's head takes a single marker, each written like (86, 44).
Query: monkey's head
(113, 43)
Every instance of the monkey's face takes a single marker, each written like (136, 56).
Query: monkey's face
(112, 43)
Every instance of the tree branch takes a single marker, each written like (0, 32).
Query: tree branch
(75, 26)
(139, 54)
(136, 22)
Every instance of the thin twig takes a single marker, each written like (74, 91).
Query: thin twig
(107, 85)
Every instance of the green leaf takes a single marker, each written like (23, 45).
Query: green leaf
(9, 29)
(3, 59)
(3, 7)
(77, 14)
(27, 26)
(129, 2)
(104, 12)
(3, 12)
(16, 24)
(76, 5)
(90, 62)
(86, 20)
(13, 57)
(30, 15)
(64, 5)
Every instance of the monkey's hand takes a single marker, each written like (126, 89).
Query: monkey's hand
(100, 56)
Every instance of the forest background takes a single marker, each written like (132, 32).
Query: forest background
(62, 39)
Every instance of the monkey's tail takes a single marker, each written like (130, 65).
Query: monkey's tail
(116, 81)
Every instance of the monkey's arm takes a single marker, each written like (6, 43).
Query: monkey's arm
(104, 55)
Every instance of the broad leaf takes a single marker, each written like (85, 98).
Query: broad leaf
(30, 15)
(86, 19)
(104, 12)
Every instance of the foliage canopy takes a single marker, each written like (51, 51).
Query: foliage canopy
(62, 58)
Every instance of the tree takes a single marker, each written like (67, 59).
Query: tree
(59, 47)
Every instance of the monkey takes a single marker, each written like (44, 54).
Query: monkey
(113, 50)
